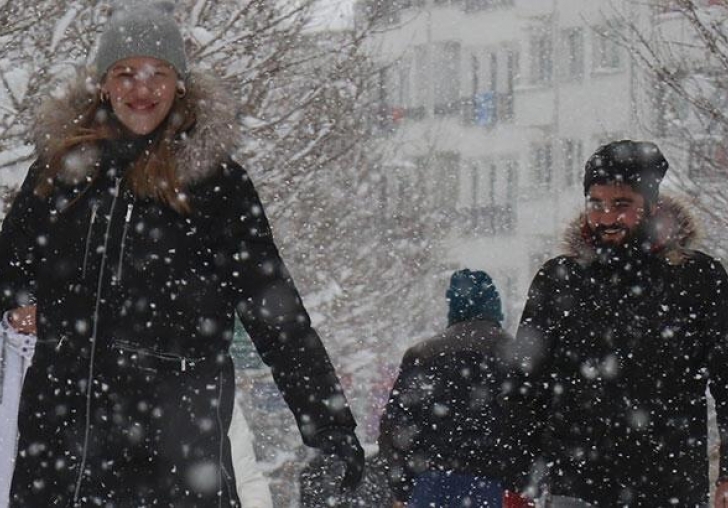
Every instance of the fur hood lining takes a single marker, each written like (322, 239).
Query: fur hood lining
(212, 141)
(673, 225)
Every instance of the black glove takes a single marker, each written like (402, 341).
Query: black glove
(345, 445)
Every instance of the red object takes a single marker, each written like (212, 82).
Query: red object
(513, 500)
(397, 114)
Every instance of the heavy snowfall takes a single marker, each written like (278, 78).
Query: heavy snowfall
(393, 142)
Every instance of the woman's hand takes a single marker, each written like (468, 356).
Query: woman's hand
(22, 319)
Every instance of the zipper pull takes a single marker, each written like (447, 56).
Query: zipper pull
(127, 220)
(92, 221)
(60, 343)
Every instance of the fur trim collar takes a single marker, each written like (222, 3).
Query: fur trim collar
(673, 225)
(212, 141)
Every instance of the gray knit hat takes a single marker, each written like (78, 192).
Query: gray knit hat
(139, 28)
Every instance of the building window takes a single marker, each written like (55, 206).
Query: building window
(404, 95)
(708, 160)
(511, 167)
(573, 163)
(446, 77)
(668, 6)
(572, 41)
(542, 162)
(607, 54)
(483, 172)
(421, 75)
(492, 195)
(469, 102)
(478, 5)
(491, 92)
(505, 97)
(672, 110)
(542, 58)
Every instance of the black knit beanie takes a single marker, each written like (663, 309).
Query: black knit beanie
(639, 164)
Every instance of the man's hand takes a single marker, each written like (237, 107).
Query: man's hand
(22, 319)
(345, 445)
(398, 504)
(721, 494)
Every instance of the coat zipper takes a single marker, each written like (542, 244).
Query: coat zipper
(181, 360)
(60, 343)
(127, 220)
(94, 210)
(223, 476)
(89, 384)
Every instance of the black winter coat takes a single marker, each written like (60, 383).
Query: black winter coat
(449, 411)
(621, 355)
(129, 397)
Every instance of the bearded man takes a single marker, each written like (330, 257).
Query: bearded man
(621, 338)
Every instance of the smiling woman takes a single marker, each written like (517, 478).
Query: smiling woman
(141, 91)
(133, 243)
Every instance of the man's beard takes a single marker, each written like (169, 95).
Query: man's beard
(635, 243)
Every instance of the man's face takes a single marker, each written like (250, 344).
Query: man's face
(614, 212)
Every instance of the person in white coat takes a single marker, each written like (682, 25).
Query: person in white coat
(252, 486)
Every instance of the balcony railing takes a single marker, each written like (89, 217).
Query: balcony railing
(488, 220)
(487, 109)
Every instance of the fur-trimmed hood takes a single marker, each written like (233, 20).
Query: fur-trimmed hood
(213, 139)
(673, 227)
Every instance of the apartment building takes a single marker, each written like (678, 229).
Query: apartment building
(490, 107)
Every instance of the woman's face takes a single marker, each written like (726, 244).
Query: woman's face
(141, 91)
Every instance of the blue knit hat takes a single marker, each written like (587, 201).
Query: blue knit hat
(473, 295)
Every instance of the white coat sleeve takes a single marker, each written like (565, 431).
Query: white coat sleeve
(252, 486)
(16, 352)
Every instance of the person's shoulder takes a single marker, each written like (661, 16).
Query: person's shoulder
(557, 261)
(229, 171)
(696, 260)
(560, 267)
(229, 179)
(423, 350)
(700, 257)
(475, 335)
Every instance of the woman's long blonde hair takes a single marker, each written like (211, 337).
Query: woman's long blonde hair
(152, 175)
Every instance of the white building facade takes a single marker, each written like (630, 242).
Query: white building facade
(492, 107)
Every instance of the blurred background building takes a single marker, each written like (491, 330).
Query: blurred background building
(492, 107)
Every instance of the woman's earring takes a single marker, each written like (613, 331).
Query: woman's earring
(104, 97)
(181, 92)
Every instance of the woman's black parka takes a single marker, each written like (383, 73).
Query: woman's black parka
(129, 396)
